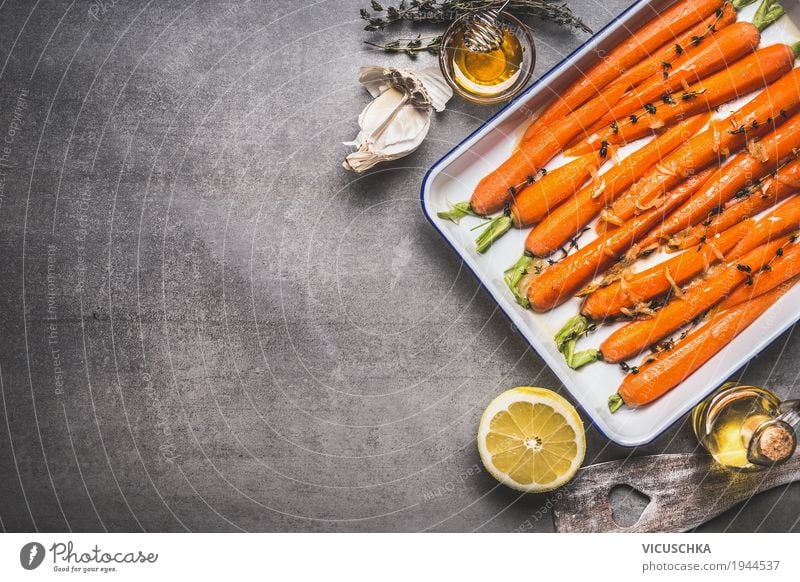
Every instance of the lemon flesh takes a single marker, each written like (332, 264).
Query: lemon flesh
(531, 439)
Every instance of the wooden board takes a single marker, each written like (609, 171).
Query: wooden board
(685, 490)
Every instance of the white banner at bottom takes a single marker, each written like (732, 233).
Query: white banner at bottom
(406, 557)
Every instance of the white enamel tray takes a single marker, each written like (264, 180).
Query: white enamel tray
(453, 179)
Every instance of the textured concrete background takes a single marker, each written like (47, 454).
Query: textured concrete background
(208, 325)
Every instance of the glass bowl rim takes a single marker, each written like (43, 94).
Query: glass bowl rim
(523, 34)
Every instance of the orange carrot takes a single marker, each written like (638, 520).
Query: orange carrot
(638, 46)
(785, 184)
(751, 73)
(727, 47)
(534, 203)
(743, 171)
(501, 185)
(669, 368)
(611, 301)
(784, 219)
(767, 110)
(565, 221)
(673, 52)
(676, 50)
(636, 336)
(785, 267)
(563, 279)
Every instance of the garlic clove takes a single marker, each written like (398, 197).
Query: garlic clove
(379, 114)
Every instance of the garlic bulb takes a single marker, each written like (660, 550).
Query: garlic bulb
(394, 124)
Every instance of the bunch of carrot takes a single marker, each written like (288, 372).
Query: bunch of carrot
(694, 189)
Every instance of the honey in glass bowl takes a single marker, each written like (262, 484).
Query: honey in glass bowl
(493, 76)
(491, 72)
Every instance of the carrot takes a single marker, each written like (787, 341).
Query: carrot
(691, 41)
(613, 300)
(728, 46)
(753, 72)
(563, 279)
(757, 117)
(638, 46)
(635, 337)
(784, 219)
(748, 74)
(667, 369)
(674, 51)
(501, 185)
(737, 176)
(785, 184)
(534, 203)
(785, 267)
(566, 220)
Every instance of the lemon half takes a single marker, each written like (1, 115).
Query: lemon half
(531, 439)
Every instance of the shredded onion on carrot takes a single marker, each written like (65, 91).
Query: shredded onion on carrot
(662, 169)
(717, 253)
(642, 310)
(677, 240)
(611, 276)
(598, 191)
(632, 254)
(716, 135)
(656, 202)
(675, 287)
(611, 218)
(614, 154)
(757, 150)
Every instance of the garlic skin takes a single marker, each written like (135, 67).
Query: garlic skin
(394, 124)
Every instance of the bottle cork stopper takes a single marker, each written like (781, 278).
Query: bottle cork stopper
(776, 443)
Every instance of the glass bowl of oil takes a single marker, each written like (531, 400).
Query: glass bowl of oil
(488, 77)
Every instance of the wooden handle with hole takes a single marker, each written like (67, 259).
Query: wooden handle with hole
(685, 490)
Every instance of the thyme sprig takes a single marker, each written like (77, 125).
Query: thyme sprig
(379, 17)
(440, 11)
(410, 46)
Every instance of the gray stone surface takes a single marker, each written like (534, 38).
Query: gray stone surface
(209, 325)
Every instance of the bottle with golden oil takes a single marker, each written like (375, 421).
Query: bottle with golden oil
(491, 74)
(746, 428)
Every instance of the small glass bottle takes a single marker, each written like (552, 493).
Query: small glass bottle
(746, 428)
